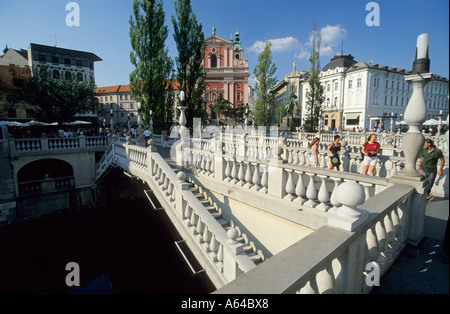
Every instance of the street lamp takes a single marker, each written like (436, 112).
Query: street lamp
(111, 113)
(151, 121)
(440, 122)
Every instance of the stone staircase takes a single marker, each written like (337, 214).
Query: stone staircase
(215, 212)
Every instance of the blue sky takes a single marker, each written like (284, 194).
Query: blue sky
(104, 30)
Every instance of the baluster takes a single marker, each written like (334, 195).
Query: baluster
(256, 178)
(265, 179)
(199, 227)
(220, 253)
(186, 211)
(295, 159)
(213, 247)
(290, 188)
(393, 244)
(206, 237)
(300, 189)
(290, 157)
(241, 175)
(234, 172)
(228, 170)
(248, 177)
(311, 192)
(309, 288)
(325, 280)
(323, 195)
(193, 219)
(333, 199)
(302, 160)
(382, 244)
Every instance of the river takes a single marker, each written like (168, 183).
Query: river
(123, 249)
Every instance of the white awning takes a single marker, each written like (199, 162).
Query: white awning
(352, 116)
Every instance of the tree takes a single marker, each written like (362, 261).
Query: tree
(189, 39)
(264, 72)
(151, 81)
(55, 99)
(315, 96)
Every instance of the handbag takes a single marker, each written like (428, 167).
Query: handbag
(362, 155)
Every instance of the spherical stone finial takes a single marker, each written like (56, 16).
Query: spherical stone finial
(344, 143)
(350, 194)
(232, 234)
(181, 176)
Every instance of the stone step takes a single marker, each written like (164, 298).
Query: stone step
(224, 223)
(255, 257)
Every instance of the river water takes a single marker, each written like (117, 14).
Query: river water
(123, 249)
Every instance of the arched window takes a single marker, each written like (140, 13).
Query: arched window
(213, 61)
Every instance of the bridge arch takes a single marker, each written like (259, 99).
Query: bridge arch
(80, 166)
(42, 168)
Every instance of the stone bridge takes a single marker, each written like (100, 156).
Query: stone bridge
(259, 220)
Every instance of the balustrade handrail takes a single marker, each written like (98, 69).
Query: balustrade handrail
(151, 167)
(316, 272)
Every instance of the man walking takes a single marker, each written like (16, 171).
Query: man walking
(428, 162)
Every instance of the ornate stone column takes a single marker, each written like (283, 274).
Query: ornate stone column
(184, 132)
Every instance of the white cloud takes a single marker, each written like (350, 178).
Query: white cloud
(278, 44)
(331, 37)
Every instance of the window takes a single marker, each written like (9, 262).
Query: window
(54, 59)
(41, 58)
(336, 86)
(237, 56)
(67, 75)
(335, 101)
(213, 61)
(79, 63)
(206, 96)
(56, 74)
(350, 84)
(79, 77)
(359, 82)
(67, 61)
(328, 87)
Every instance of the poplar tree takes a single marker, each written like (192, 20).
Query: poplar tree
(190, 41)
(264, 72)
(151, 81)
(315, 96)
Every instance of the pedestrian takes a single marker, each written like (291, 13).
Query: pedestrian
(334, 149)
(166, 140)
(370, 150)
(147, 135)
(313, 160)
(428, 163)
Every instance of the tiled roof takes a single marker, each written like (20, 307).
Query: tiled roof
(107, 89)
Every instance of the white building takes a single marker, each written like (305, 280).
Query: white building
(365, 95)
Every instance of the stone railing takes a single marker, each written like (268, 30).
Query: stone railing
(215, 249)
(347, 262)
(35, 146)
(252, 148)
(46, 185)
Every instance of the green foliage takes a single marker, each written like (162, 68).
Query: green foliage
(224, 109)
(315, 96)
(55, 99)
(189, 39)
(264, 72)
(151, 80)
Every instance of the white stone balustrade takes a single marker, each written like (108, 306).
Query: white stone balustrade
(340, 266)
(218, 253)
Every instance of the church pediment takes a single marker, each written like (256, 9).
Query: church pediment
(216, 40)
